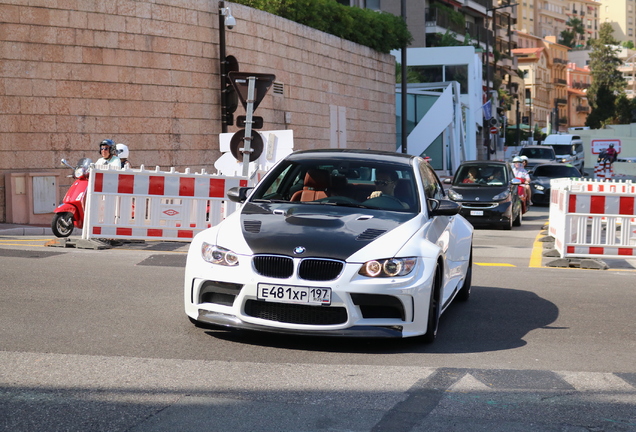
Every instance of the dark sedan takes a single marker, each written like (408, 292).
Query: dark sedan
(541, 176)
(488, 193)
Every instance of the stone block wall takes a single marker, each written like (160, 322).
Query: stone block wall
(146, 73)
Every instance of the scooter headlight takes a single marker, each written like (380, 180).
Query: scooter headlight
(218, 255)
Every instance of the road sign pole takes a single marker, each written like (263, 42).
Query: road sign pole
(247, 140)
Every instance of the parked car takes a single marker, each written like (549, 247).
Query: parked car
(487, 191)
(541, 176)
(334, 243)
(568, 149)
(537, 154)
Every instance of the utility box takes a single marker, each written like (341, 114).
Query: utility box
(31, 198)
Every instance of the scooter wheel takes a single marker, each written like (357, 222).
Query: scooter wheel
(62, 225)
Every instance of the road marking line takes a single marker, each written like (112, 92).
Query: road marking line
(536, 257)
(495, 265)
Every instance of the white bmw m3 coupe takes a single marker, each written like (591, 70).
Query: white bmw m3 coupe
(334, 243)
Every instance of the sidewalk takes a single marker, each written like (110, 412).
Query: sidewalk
(24, 230)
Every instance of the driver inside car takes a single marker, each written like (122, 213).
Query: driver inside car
(385, 182)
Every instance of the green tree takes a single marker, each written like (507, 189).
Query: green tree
(607, 80)
(623, 110)
(604, 109)
(382, 32)
(570, 37)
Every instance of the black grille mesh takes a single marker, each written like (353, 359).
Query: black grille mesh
(274, 266)
(282, 267)
(296, 314)
(319, 269)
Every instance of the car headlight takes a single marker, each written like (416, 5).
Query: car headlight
(218, 255)
(389, 267)
(454, 195)
(539, 187)
(501, 196)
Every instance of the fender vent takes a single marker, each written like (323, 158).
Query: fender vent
(370, 234)
(253, 227)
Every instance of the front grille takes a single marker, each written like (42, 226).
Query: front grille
(296, 314)
(319, 269)
(480, 206)
(282, 267)
(274, 266)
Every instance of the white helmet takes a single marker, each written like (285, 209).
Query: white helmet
(516, 159)
(122, 151)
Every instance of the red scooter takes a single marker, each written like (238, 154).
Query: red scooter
(70, 213)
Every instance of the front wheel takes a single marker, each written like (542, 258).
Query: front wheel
(62, 225)
(433, 310)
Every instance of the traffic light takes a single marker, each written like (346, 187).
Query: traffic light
(229, 98)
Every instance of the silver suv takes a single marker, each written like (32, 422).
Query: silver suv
(538, 154)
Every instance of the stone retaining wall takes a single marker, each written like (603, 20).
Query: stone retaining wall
(146, 73)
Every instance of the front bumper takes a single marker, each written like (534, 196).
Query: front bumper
(360, 306)
(486, 213)
(234, 322)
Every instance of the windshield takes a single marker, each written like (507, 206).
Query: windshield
(562, 149)
(556, 171)
(483, 174)
(538, 153)
(352, 183)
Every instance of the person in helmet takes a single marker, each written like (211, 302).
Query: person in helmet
(610, 154)
(109, 155)
(519, 169)
(123, 153)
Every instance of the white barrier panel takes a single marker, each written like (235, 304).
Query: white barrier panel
(155, 205)
(592, 218)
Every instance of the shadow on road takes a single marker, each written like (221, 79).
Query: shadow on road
(493, 319)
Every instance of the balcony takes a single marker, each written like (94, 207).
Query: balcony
(437, 21)
(580, 85)
(582, 109)
(560, 101)
(560, 81)
(479, 33)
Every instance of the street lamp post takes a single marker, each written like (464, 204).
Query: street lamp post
(488, 97)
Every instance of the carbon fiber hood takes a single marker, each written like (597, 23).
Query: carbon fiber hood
(306, 230)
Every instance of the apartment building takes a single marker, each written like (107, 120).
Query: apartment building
(587, 11)
(579, 80)
(622, 15)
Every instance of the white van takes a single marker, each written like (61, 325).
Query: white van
(568, 149)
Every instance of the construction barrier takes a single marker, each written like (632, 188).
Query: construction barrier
(590, 219)
(155, 205)
(603, 170)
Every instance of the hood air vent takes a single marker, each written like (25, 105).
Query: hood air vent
(253, 227)
(370, 234)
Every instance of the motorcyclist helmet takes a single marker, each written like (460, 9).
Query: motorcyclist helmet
(524, 158)
(611, 145)
(111, 146)
(517, 159)
(122, 151)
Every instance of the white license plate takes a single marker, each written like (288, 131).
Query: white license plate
(294, 294)
(476, 212)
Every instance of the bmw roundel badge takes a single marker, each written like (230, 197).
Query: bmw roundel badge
(299, 250)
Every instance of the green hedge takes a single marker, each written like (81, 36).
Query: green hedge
(380, 31)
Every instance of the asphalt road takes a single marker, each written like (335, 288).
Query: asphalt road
(96, 340)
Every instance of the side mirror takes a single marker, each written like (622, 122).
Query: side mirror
(447, 180)
(443, 207)
(515, 182)
(238, 194)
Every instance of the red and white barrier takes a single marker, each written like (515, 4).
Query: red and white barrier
(155, 205)
(592, 218)
(603, 170)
